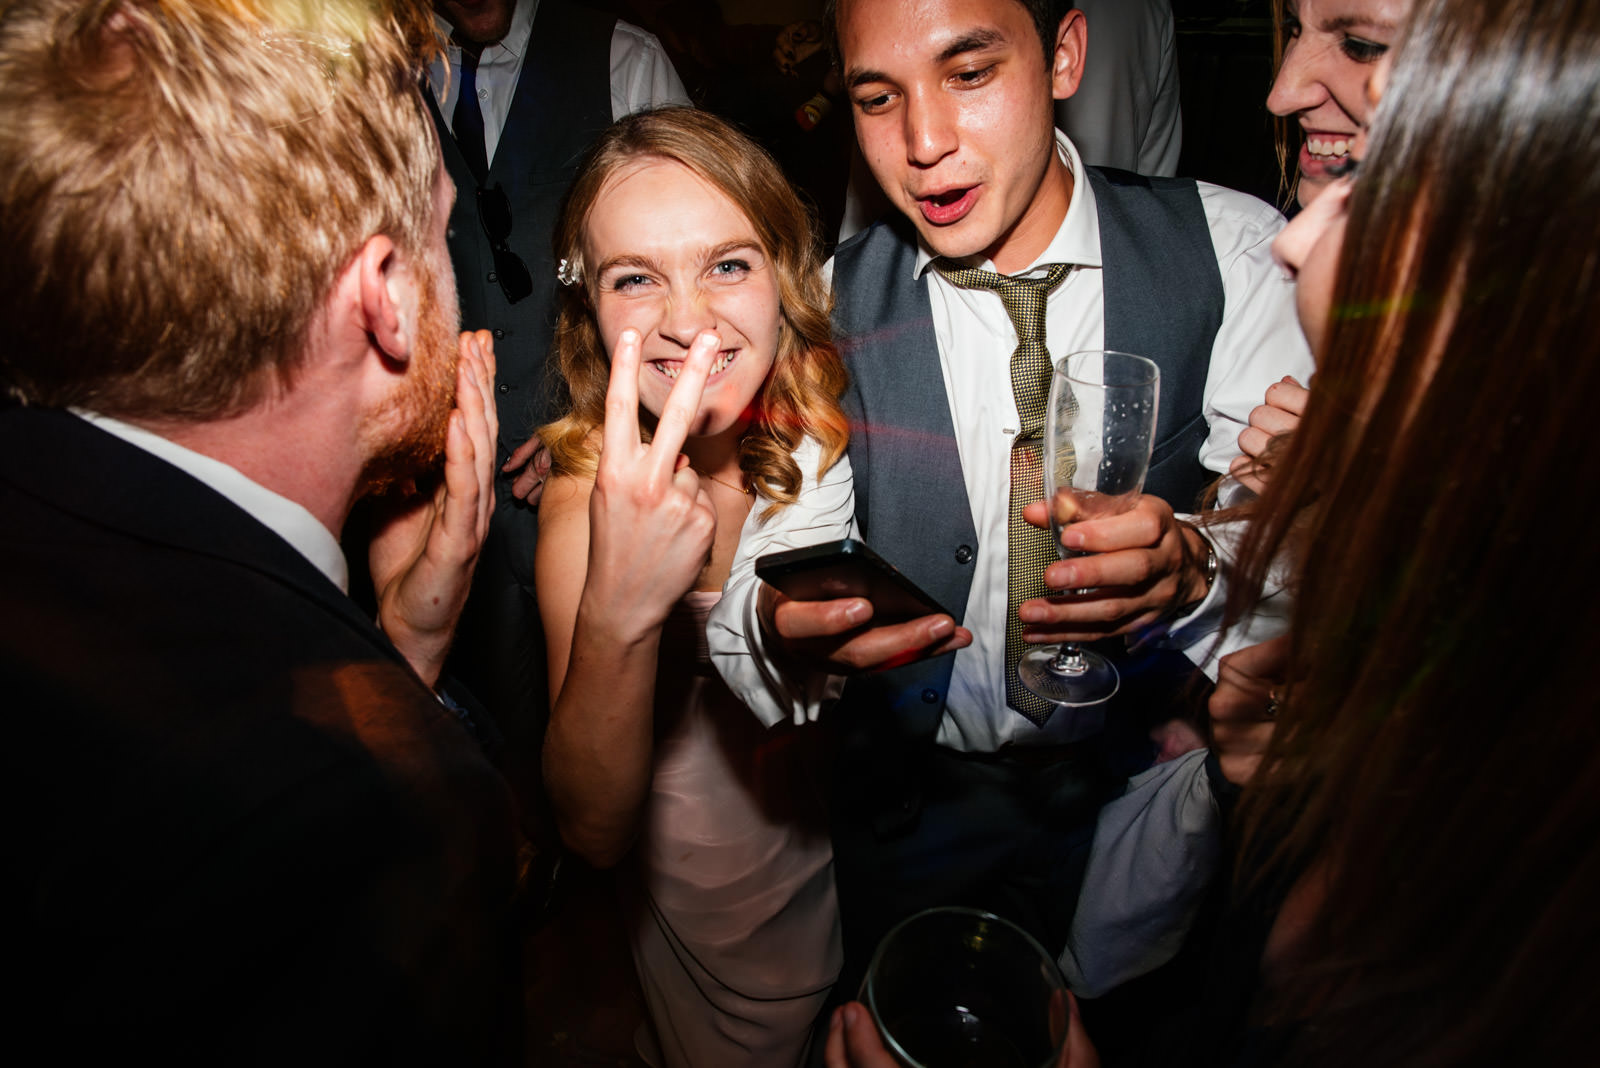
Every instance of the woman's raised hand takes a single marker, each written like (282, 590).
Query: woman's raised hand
(1277, 415)
(650, 523)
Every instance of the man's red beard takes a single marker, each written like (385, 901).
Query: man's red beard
(422, 405)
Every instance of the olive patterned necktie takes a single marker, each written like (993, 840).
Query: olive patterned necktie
(1029, 550)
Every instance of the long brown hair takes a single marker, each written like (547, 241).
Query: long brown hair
(801, 395)
(1282, 128)
(1438, 755)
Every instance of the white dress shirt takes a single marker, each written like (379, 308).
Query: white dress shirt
(641, 74)
(1258, 342)
(825, 511)
(1126, 111)
(285, 518)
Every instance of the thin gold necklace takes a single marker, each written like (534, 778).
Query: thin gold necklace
(718, 481)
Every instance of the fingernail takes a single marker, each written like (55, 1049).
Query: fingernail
(942, 627)
(852, 1014)
(1072, 539)
(1029, 613)
(855, 613)
(836, 1021)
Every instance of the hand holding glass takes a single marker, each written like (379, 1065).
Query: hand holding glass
(1099, 427)
(959, 988)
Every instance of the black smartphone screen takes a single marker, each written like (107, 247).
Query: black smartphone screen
(847, 568)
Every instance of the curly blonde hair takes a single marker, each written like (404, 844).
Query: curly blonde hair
(801, 394)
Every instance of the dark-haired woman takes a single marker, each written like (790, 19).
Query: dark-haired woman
(1325, 50)
(1429, 793)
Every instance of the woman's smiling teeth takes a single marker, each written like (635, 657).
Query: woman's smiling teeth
(671, 368)
(1329, 147)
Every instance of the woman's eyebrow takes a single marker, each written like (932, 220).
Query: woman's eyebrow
(642, 262)
(716, 252)
(627, 259)
(1342, 23)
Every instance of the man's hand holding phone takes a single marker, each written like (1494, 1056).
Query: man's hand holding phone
(838, 635)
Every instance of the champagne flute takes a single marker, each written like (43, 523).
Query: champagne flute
(1099, 428)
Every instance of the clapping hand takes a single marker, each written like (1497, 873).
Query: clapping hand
(423, 550)
(1279, 414)
(650, 523)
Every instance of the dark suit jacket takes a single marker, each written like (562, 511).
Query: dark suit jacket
(562, 101)
(239, 828)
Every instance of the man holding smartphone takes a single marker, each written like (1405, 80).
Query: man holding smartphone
(951, 786)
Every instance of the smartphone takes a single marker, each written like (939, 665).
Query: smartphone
(847, 568)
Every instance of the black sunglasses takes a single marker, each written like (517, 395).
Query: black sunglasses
(494, 213)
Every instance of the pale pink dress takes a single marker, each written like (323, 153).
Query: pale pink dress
(730, 899)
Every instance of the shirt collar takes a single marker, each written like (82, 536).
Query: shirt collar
(1077, 240)
(286, 518)
(508, 49)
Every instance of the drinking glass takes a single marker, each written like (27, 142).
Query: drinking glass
(1099, 427)
(960, 988)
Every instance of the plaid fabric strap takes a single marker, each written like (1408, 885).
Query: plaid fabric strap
(1029, 549)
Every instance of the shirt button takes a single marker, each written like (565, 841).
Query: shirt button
(493, 277)
(450, 234)
(503, 388)
(930, 696)
(964, 554)
(483, 94)
(499, 335)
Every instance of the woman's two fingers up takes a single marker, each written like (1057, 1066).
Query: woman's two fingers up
(651, 525)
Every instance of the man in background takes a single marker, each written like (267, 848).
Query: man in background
(523, 88)
(1126, 112)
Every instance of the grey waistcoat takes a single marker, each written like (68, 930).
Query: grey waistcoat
(1163, 299)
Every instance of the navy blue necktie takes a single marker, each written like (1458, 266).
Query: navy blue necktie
(467, 122)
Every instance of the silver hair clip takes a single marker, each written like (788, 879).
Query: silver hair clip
(569, 273)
